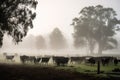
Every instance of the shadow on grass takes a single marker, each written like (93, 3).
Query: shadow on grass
(32, 72)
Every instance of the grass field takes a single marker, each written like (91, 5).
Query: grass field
(106, 71)
(38, 72)
(83, 67)
(12, 71)
(89, 68)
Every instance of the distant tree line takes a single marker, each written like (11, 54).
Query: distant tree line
(56, 40)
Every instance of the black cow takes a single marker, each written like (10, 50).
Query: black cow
(60, 60)
(9, 57)
(45, 60)
(32, 59)
(25, 59)
(91, 60)
(37, 60)
(105, 60)
(115, 61)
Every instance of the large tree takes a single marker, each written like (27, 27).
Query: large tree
(96, 25)
(16, 18)
(57, 40)
(40, 42)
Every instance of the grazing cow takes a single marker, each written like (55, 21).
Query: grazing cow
(25, 59)
(32, 59)
(45, 60)
(91, 60)
(115, 61)
(76, 59)
(9, 57)
(61, 60)
(105, 60)
(37, 60)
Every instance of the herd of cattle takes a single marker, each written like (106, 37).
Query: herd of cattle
(61, 60)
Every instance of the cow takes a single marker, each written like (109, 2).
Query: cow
(61, 61)
(25, 59)
(76, 59)
(115, 61)
(45, 60)
(9, 57)
(91, 60)
(106, 60)
(37, 60)
(32, 59)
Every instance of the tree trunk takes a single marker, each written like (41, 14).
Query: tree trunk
(98, 67)
(100, 48)
(91, 47)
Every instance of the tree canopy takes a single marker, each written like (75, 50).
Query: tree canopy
(57, 40)
(96, 25)
(16, 18)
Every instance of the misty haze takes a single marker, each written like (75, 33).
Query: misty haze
(60, 39)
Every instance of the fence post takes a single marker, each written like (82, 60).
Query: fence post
(98, 66)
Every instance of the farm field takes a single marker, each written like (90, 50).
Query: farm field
(89, 68)
(16, 70)
(106, 71)
(38, 72)
(60, 40)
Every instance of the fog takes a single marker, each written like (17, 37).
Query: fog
(51, 14)
(28, 47)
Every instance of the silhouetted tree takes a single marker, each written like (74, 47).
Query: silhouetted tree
(96, 24)
(16, 18)
(40, 42)
(57, 40)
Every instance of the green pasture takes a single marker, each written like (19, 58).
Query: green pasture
(85, 68)
(106, 71)
(88, 68)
